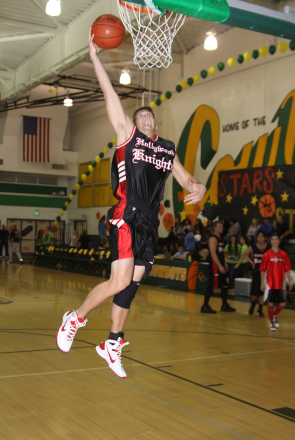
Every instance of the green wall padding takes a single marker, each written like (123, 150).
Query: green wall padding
(31, 189)
(31, 201)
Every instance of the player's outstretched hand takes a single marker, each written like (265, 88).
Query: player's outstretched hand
(197, 194)
(93, 49)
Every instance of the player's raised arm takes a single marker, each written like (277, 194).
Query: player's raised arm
(196, 189)
(119, 120)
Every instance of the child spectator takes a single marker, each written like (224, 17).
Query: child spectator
(39, 239)
(267, 227)
(242, 263)
(232, 253)
(180, 255)
(74, 240)
(275, 263)
(102, 226)
(253, 228)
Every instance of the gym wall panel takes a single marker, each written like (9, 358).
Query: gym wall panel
(85, 197)
(101, 194)
(102, 170)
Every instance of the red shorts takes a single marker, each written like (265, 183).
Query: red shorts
(134, 233)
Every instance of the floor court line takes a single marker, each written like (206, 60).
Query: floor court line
(147, 363)
(180, 408)
(173, 316)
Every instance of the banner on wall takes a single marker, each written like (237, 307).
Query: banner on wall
(270, 151)
(264, 192)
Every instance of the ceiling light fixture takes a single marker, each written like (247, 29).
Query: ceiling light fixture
(211, 42)
(68, 102)
(53, 8)
(125, 77)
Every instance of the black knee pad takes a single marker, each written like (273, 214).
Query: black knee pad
(124, 298)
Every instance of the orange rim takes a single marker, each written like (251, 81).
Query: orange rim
(145, 11)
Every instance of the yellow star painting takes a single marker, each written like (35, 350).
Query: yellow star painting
(285, 197)
(228, 198)
(254, 200)
(245, 210)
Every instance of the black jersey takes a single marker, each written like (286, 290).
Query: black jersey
(141, 167)
(220, 249)
(257, 255)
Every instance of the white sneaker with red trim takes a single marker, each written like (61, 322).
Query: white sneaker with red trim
(111, 351)
(66, 333)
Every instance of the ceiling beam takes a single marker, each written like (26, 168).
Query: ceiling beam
(5, 75)
(5, 67)
(27, 37)
(26, 25)
(181, 43)
(53, 19)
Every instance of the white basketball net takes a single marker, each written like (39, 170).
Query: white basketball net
(152, 33)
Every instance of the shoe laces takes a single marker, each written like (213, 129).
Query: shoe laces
(117, 348)
(74, 325)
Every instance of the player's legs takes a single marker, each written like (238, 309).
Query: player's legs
(121, 276)
(111, 349)
(278, 310)
(119, 314)
(206, 307)
(275, 296)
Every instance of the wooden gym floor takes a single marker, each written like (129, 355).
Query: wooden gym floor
(190, 376)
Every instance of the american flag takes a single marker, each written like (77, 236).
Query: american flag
(36, 139)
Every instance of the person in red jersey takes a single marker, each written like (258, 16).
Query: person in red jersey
(141, 165)
(275, 263)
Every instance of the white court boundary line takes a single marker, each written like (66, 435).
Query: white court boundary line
(148, 363)
(172, 316)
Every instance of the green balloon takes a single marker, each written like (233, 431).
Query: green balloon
(69, 200)
(220, 66)
(64, 208)
(101, 155)
(168, 95)
(110, 145)
(292, 45)
(58, 218)
(93, 164)
(158, 102)
(74, 192)
(87, 172)
(240, 59)
(272, 49)
(178, 88)
(255, 54)
(80, 182)
(190, 81)
(204, 74)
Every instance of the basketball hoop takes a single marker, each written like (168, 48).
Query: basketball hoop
(152, 33)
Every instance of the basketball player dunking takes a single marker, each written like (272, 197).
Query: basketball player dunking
(141, 166)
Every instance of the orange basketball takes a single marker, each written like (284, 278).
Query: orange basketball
(53, 229)
(267, 206)
(192, 275)
(108, 31)
(161, 209)
(168, 221)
